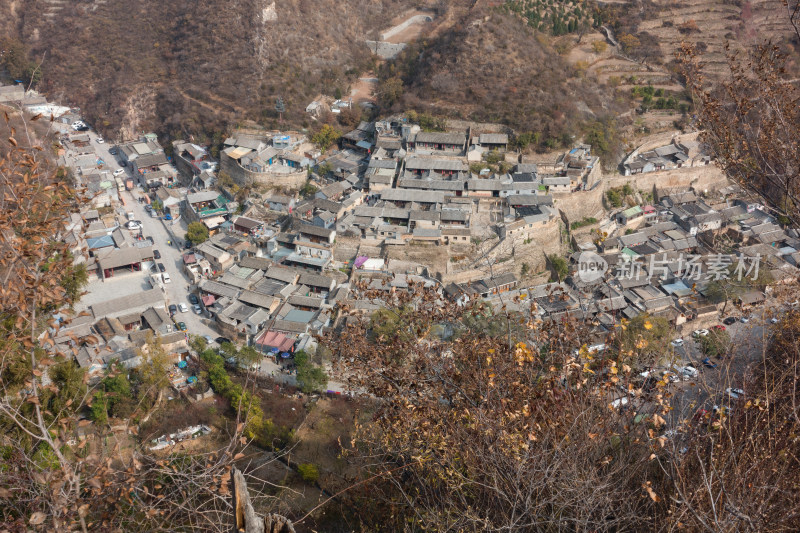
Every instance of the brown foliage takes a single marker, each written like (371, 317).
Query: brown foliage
(498, 428)
(507, 425)
(496, 71)
(742, 473)
(48, 476)
(188, 66)
(752, 123)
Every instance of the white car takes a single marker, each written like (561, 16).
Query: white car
(672, 377)
(619, 402)
(734, 393)
(677, 342)
(166, 278)
(183, 308)
(100, 140)
(119, 171)
(773, 320)
(688, 371)
(744, 319)
(699, 333)
(134, 225)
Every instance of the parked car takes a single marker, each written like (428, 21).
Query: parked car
(156, 254)
(619, 402)
(167, 217)
(197, 310)
(719, 327)
(688, 371)
(744, 319)
(100, 140)
(773, 320)
(148, 207)
(113, 151)
(133, 224)
(119, 171)
(699, 333)
(730, 320)
(709, 363)
(181, 326)
(222, 340)
(208, 339)
(183, 308)
(677, 342)
(166, 277)
(123, 163)
(672, 377)
(161, 267)
(734, 393)
(193, 299)
(173, 309)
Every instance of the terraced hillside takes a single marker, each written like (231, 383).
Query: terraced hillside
(710, 24)
(661, 27)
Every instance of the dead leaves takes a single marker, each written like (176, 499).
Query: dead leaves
(650, 492)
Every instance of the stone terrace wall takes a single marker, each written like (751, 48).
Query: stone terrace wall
(244, 177)
(579, 205)
(700, 178)
(385, 50)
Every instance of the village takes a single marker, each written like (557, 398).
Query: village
(292, 230)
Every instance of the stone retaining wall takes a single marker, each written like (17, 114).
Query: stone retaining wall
(243, 177)
(385, 50)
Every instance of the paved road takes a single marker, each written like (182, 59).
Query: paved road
(172, 258)
(178, 290)
(708, 389)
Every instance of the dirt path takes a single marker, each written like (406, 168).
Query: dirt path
(364, 89)
(220, 108)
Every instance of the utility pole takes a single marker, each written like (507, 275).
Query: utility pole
(280, 107)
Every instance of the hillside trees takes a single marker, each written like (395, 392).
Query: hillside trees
(751, 121)
(50, 478)
(477, 433)
(310, 377)
(196, 232)
(15, 58)
(742, 474)
(326, 137)
(389, 91)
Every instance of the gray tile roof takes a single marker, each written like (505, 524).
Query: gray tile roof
(441, 138)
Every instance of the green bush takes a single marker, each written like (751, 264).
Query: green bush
(614, 198)
(587, 221)
(309, 472)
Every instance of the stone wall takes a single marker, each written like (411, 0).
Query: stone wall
(243, 177)
(699, 178)
(454, 124)
(579, 205)
(508, 255)
(385, 50)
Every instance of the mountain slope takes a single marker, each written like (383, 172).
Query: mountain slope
(494, 68)
(141, 65)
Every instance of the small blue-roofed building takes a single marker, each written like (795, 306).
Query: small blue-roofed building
(99, 243)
